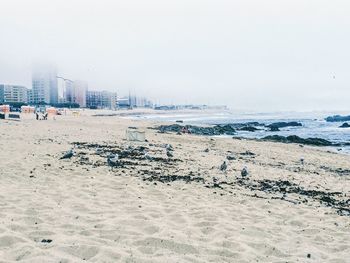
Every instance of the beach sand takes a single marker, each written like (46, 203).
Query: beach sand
(80, 209)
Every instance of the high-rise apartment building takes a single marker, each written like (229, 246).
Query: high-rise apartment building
(44, 81)
(79, 93)
(68, 91)
(30, 96)
(75, 92)
(109, 99)
(101, 99)
(13, 94)
(94, 99)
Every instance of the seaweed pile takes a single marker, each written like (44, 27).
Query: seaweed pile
(128, 155)
(338, 171)
(336, 200)
(160, 168)
(154, 177)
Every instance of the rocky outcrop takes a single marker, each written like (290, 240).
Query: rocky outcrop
(240, 125)
(277, 125)
(199, 130)
(299, 140)
(338, 118)
(345, 125)
(248, 128)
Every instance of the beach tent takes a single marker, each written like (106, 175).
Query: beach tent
(5, 108)
(27, 109)
(51, 111)
(27, 112)
(135, 135)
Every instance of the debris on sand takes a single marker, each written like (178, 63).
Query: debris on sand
(148, 156)
(113, 160)
(169, 147)
(169, 154)
(67, 155)
(244, 172)
(223, 167)
(247, 153)
(230, 157)
(336, 200)
(127, 155)
(173, 178)
(149, 165)
(338, 171)
(99, 151)
(46, 241)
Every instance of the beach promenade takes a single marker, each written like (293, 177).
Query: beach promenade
(166, 199)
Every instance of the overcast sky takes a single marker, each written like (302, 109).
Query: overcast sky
(248, 54)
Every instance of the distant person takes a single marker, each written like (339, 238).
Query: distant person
(37, 116)
(185, 130)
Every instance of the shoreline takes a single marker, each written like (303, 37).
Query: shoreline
(288, 130)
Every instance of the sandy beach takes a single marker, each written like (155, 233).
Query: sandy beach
(181, 208)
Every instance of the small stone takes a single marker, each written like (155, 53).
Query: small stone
(230, 157)
(244, 172)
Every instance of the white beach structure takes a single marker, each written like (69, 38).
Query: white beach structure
(135, 135)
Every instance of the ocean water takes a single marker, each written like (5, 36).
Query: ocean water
(313, 123)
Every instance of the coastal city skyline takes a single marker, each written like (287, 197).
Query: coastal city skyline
(50, 86)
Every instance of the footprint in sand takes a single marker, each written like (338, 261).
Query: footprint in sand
(150, 230)
(151, 245)
(83, 252)
(8, 241)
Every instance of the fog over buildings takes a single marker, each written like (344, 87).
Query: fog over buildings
(247, 54)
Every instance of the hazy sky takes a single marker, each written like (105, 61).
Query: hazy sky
(248, 54)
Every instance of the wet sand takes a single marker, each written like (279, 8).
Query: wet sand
(180, 208)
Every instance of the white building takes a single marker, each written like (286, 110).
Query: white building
(13, 94)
